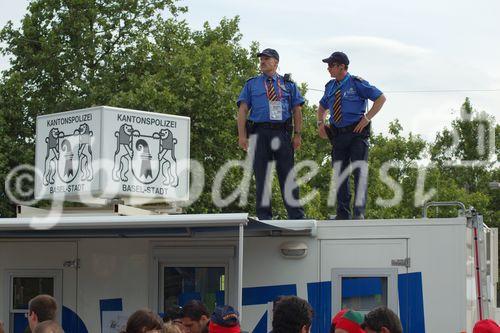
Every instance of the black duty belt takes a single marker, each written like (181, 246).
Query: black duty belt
(332, 132)
(271, 125)
(346, 129)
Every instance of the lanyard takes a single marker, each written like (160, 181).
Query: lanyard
(267, 88)
(341, 83)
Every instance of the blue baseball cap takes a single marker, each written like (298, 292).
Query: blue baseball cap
(270, 53)
(338, 58)
(225, 316)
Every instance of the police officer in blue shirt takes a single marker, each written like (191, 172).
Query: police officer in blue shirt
(269, 107)
(348, 130)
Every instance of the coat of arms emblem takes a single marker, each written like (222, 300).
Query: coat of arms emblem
(147, 156)
(68, 155)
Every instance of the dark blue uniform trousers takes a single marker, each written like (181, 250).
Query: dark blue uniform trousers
(284, 157)
(347, 148)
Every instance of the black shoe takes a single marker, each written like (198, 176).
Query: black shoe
(297, 218)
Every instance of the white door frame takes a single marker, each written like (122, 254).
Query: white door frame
(10, 274)
(192, 256)
(391, 273)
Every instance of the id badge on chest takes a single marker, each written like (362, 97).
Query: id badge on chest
(275, 110)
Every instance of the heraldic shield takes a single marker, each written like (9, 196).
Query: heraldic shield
(145, 164)
(68, 162)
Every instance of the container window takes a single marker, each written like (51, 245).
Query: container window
(182, 284)
(364, 293)
(25, 288)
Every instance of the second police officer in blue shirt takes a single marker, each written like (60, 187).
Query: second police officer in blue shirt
(271, 102)
(348, 130)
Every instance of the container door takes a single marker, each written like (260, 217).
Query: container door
(29, 269)
(363, 272)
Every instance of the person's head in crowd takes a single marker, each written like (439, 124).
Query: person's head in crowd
(143, 321)
(1, 327)
(48, 326)
(348, 321)
(292, 314)
(382, 320)
(173, 315)
(41, 308)
(172, 312)
(195, 317)
(336, 318)
(224, 319)
(486, 326)
(170, 327)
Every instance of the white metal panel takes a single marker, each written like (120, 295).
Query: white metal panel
(361, 253)
(60, 143)
(112, 268)
(439, 253)
(158, 140)
(264, 266)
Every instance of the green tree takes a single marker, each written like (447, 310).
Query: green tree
(467, 158)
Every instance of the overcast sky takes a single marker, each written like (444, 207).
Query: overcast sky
(396, 45)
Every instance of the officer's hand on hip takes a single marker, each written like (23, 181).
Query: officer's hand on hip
(297, 141)
(361, 125)
(243, 142)
(322, 131)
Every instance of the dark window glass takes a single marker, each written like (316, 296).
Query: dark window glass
(364, 293)
(25, 288)
(182, 284)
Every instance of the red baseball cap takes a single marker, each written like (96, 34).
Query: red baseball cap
(339, 315)
(486, 326)
(350, 321)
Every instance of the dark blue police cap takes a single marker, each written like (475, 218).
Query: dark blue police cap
(338, 58)
(270, 53)
(225, 316)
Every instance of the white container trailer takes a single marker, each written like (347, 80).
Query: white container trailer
(101, 268)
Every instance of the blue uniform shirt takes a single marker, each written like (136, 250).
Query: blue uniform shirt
(355, 92)
(255, 96)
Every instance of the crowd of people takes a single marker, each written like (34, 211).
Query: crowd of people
(291, 314)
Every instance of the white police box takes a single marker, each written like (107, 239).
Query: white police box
(106, 152)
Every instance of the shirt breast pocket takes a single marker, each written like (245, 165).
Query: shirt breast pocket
(330, 99)
(259, 99)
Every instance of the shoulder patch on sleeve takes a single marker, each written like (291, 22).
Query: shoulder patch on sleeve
(253, 77)
(358, 78)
